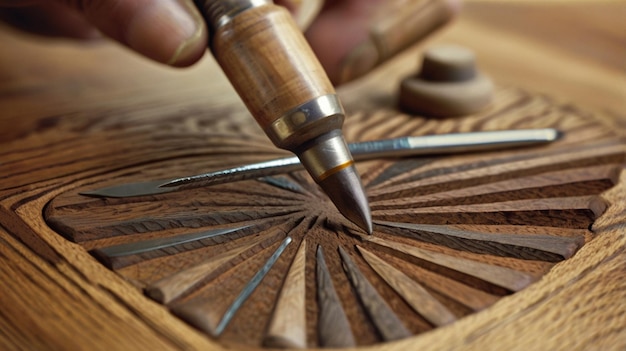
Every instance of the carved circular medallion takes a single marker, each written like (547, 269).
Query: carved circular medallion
(270, 262)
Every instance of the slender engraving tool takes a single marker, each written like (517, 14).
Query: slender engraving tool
(442, 144)
(453, 143)
(276, 74)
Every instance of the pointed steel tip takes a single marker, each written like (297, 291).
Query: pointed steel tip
(129, 190)
(358, 213)
(345, 190)
(360, 216)
(365, 223)
(171, 183)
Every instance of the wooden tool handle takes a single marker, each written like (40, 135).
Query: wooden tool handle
(268, 61)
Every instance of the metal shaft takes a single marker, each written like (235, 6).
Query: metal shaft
(398, 147)
(377, 149)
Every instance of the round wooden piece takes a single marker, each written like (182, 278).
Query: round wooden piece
(448, 63)
(445, 99)
(448, 85)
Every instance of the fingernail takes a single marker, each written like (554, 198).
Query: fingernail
(170, 32)
(396, 27)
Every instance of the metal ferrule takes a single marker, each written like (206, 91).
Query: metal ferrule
(326, 156)
(307, 121)
(218, 13)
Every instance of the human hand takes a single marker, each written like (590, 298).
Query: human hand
(173, 31)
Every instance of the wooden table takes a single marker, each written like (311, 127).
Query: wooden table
(70, 112)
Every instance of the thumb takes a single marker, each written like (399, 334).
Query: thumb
(167, 31)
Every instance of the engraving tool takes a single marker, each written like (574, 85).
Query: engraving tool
(453, 143)
(283, 85)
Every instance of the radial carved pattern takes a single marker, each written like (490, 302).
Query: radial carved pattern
(270, 262)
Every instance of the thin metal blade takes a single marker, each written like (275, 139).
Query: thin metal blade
(130, 190)
(398, 147)
(250, 171)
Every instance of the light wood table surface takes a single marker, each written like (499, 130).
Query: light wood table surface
(57, 99)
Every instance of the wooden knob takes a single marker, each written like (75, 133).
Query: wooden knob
(449, 63)
(447, 85)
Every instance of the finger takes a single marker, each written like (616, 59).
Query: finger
(168, 31)
(352, 37)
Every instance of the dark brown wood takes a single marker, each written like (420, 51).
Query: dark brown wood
(173, 286)
(69, 126)
(462, 298)
(500, 276)
(387, 323)
(333, 326)
(525, 246)
(574, 212)
(212, 316)
(561, 183)
(415, 295)
(461, 172)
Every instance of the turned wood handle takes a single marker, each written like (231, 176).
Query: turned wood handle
(268, 61)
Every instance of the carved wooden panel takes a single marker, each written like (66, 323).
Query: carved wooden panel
(270, 262)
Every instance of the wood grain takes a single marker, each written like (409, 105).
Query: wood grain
(526, 246)
(421, 182)
(288, 326)
(150, 238)
(574, 212)
(500, 276)
(387, 323)
(171, 287)
(571, 182)
(333, 327)
(415, 295)
(38, 287)
(75, 125)
(213, 317)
